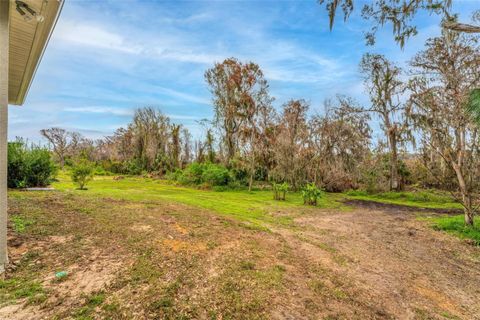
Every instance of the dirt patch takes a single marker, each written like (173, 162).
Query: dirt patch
(396, 208)
(142, 228)
(179, 245)
(21, 312)
(395, 263)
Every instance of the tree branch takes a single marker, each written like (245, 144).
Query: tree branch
(461, 27)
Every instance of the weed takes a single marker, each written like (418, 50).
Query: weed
(20, 223)
(247, 265)
(20, 288)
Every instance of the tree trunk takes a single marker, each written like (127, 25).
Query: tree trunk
(4, 50)
(466, 196)
(252, 160)
(392, 137)
(230, 148)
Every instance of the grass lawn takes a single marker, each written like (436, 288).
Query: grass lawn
(138, 248)
(456, 226)
(169, 239)
(254, 207)
(420, 199)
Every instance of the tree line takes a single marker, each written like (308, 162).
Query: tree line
(429, 137)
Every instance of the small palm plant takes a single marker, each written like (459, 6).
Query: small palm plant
(280, 190)
(310, 194)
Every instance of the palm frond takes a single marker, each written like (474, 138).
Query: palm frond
(473, 106)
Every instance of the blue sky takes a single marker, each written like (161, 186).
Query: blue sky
(107, 58)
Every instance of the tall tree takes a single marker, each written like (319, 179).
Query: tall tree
(382, 80)
(291, 147)
(340, 141)
(187, 147)
(239, 92)
(209, 146)
(58, 138)
(151, 131)
(446, 73)
(400, 14)
(176, 146)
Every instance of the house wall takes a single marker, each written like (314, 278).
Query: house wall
(4, 48)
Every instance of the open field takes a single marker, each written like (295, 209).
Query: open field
(143, 248)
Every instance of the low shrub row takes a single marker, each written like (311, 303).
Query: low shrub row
(208, 174)
(29, 165)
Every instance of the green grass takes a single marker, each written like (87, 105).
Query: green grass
(24, 284)
(254, 208)
(20, 224)
(420, 199)
(251, 207)
(19, 288)
(456, 226)
(85, 312)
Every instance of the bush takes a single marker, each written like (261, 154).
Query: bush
(134, 167)
(202, 173)
(280, 190)
(310, 194)
(215, 175)
(82, 173)
(29, 166)
(192, 174)
(174, 175)
(100, 171)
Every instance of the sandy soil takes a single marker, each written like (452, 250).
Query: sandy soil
(368, 263)
(396, 265)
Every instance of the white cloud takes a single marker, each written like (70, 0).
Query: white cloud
(166, 47)
(182, 117)
(182, 95)
(91, 35)
(100, 110)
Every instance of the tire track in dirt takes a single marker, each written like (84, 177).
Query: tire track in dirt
(397, 267)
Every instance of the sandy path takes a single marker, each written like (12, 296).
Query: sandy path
(396, 266)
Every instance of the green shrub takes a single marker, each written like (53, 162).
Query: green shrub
(174, 175)
(82, 173)
(215, 175)
(310, 194)
(192, 174)
(202, 173)
(279, 190)
(238, 171)
(114, 167)
(29, 166)
(134, 167)
(100, 171)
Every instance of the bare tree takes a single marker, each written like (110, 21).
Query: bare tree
(445, 73)
(224, 87)
(340, 142)
(123, 140)
(151, 132)
(58, 138)
(176, 146)
(291, 147)
(382, 80)
(187, 147)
